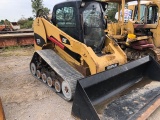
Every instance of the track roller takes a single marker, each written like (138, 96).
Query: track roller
(44, 77)
(33, 68)
(38, 73)
(57, 85)
(49, 81)
(51, 69)
(66, 90)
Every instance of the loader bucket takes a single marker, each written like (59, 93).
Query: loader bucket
(118, 94)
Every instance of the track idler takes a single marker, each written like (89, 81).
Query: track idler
(122, 93)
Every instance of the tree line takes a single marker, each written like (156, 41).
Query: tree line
(27, 22)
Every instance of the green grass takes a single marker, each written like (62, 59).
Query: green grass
(17, 51)
(12, 48)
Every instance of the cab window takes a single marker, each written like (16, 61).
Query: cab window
(152, 15)
(65, 17)
(66, 21)
(148, 14)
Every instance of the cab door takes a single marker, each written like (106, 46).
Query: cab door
(66, 18)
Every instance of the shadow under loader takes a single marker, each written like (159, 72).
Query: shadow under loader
(122, 93)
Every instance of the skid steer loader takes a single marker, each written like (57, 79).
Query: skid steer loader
(138, 35)
(149, 15)
(79, 61)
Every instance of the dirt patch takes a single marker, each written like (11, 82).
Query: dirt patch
(24, 97)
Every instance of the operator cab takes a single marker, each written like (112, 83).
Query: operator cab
(148, 14)
(84, 21)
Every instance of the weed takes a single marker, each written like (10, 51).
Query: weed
(11, 48)
(17, 51)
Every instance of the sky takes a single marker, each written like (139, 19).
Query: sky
(13, 10)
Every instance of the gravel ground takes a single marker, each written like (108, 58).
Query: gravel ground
(24, 97)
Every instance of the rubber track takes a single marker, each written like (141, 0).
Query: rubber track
(61, 67)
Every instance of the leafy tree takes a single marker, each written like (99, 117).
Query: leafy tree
(1, 22)
(30, 18)
(111, 11)
(46, 10)
(38, 4)
(25, 22)
(7, 22)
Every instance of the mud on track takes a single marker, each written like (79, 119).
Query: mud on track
(24, 97)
